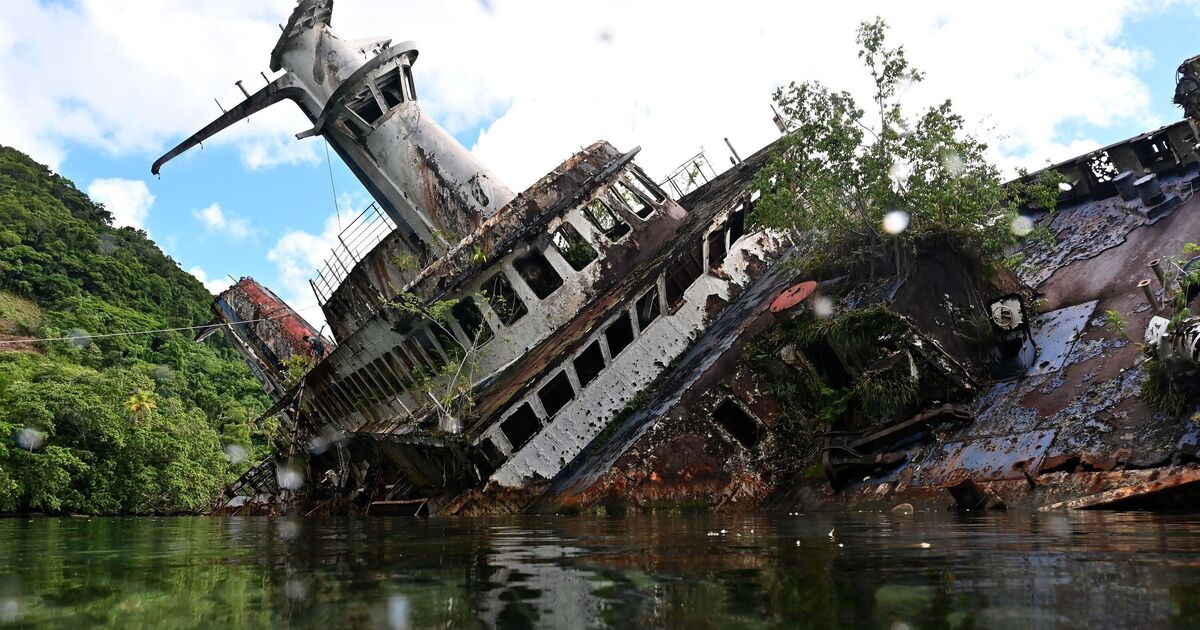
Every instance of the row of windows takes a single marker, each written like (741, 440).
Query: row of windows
(524, 422)
(391, 88)
(426, 350)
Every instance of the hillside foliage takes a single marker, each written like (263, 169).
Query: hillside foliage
(131, 424)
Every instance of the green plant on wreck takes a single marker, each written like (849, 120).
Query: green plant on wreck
(1115, 321)
(1164, 391)
(295, 368)
(450, 385)
(841, 168)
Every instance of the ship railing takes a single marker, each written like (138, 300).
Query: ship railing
(354, 242)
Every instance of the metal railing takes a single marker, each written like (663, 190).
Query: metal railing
(688, 176)
(353, 243)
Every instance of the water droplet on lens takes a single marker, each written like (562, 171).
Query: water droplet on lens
(235, 453)
(823, 307)
(398, 613)
(30, 438)
(895, 222)
(1022, 225)
(1064, 186)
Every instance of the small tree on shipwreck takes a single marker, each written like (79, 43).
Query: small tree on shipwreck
(867, 192)
(870, 192)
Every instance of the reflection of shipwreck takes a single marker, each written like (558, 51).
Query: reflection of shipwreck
(592, 341)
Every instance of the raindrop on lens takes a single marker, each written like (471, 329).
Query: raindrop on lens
(10, 609)
(1064, 186)
(289, 476)
(823, 308)
(79, 338)
(398, 613)
(317, 445)
(235, 453)
(953, 163)
(1022, 225)
(30, 438)
(895, 222)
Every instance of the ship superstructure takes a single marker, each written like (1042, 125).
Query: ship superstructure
(481, 336)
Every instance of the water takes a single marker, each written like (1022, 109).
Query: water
(929, 570)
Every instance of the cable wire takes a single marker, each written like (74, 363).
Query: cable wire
(148, 332)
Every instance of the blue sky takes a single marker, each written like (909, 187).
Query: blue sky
(99, 88)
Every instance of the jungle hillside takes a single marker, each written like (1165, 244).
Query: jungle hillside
(138, 424)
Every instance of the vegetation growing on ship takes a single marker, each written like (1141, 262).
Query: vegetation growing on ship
(1173, 389)
(846, 372)
(867, 189)
(130, 424)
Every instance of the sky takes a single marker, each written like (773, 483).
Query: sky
(97, 89)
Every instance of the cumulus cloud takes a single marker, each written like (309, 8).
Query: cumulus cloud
(129, 200)
(214, 285)
(542, 79)
(214, 220)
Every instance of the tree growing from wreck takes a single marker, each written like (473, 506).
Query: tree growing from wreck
(866, 191)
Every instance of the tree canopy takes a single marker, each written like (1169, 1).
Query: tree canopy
(859, 187)
(135, 424)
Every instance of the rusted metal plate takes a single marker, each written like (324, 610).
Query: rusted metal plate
(987, 459)
(793, 296)
(1055, 333)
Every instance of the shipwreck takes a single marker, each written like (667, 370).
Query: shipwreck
(597, 342)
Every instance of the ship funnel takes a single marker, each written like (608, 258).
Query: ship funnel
(362, 98)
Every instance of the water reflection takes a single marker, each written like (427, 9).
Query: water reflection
(877, 570)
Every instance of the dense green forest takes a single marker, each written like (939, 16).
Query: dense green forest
(134, 424)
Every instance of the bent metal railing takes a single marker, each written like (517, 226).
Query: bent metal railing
(371, 226)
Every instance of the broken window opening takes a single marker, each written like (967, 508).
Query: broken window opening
(573, 247)
(633, 200)
(450, 344)
(643, 185)
(471, 320)
(366, 107)
(537, 273)
(737, 224)
(589, 364)
(1102, 168)
(491, 453)
(400, 370)
(556, 394)
(742, 426)
(427, 344)
(390, 88)
(521, 426)
(393, 385)
(503, 299)
(602, 216)
(648, 308)
(619, 335)
(686, 270)
(408, 82)
(716, 248)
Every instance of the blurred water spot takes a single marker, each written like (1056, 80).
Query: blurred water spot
(290, 476)
(398, 613)
(1064, 186)
(1022, 225)
(823, 307)
(953, 163)
(235, 453)
(288, 528)
(164, 374)
(10, 610)
(79, 338)
(30, 438)
(895, 222)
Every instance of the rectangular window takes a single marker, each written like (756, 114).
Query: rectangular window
(536, 271)
(521, 426)
(390, 87)
(503, 299)
(589, 363)
(602, 216)
(399, 366)
(491, 453)
(367, 108)
(574, 248)
(737, 224)
(683, 273)
(647, 308)
(556, 394)
(436, 360)
(619, 335)
(382, 373)
(648, 189)
(741, 425)
(471, 320)
(633, 200)
(408, 82)
(716, 248)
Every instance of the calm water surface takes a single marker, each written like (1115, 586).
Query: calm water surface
(929, 570)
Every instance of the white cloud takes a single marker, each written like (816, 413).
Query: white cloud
(214, 220)
(215, 285)
(671, 76)
(129, 200)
